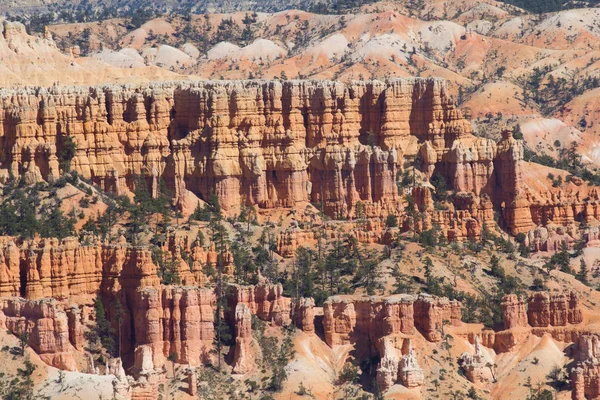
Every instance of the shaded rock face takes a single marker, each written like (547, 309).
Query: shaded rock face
(172, 320)
(350, 319)
(585, 376)
(387, 324)
(46, 326)
(554, 314)
(553, 310)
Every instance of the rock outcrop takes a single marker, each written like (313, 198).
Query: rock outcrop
(387, 323)
(476, 367)
(266, 143)
(432, 313)
(585, 376)
(555, 314)
(45, 327)
(305, 315)
(514, 311)
(172, 320)
(121, 384)
(243, 361)
(350, 319)
(411, 374)
(387, 371)
(62, 269)
(283, 144)
(553, 310)
(264, 300)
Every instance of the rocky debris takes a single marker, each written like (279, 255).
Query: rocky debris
(475, 366)
(242, 358)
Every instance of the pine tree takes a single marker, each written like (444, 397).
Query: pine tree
(583, 272)
(219, 237)
(102, 329)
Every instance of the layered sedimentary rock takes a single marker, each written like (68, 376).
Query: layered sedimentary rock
(585, 376)
(44, 324)
(192, 381)
(66, 269)
(172, 320)
(411, 374)
(556, 314)
(243, 361)
(62, 269)
(432, 313)
(514, 311)
(348, 319)
(121, 384)
(387, 371)
(553, 310)
(383, 326)
(264, 300)
(475, 366)
(269, 144)
(281, 144)
(304, 314)
(398, 365)
(192, 273)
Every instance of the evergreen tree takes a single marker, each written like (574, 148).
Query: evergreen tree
(66, 153)
(582, 273)
(219, 237)
(102, 330)
(368, 271)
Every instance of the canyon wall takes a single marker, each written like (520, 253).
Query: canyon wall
(266, 143)
(286, 143)
(557, 314)
(352, 319)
